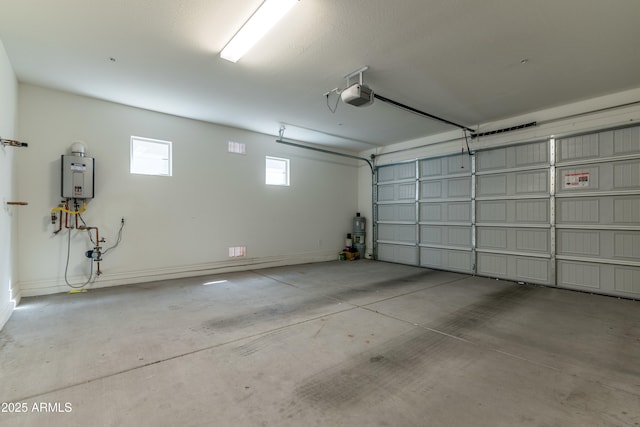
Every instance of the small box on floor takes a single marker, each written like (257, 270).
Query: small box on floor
(348, 256)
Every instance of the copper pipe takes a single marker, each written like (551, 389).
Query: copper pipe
(97, 247)
(66, 215)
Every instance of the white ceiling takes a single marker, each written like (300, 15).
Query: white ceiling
(457, 59)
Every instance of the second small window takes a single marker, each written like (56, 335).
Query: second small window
(277, 171)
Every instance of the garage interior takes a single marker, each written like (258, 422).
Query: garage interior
(176, 227)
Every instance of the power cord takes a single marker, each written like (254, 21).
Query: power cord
(66, 267)
(118, 239)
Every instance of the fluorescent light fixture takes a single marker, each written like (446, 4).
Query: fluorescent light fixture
(255, 28)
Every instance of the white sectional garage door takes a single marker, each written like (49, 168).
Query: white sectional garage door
(598, 212)
(513, 213)
(445, 214)
(396, 216)
(562, 212)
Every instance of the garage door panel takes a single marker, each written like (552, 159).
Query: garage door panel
(397, 192)
(627, 280)
(611, 245)
(397, 253)
(578, 243)
(492, 238)
(533, 270)
(626, 175)
(492, 211)
(579, 275)
(513, 157)
(446, 259)
(406, 212)
(582, 147)
(492, 185)
(529, 183)
(577, 179)
(506, 227)
(604, 177)
(531, 154)
(518, 268)
(533, 240)
(602, 278)
(626, 141)
(446, 235)
(598, 212)
(533, 211)
(431, 190)
(604, 210)
(523, 240)
(578, 211)
(444, 166)
(446, 188)
(401, 233)
(610, 143)
(626, 210)
(626, 245)
(491, 160)
(446, 212)
(396, 172)
(493, 265)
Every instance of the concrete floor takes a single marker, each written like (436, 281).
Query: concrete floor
(333, 344)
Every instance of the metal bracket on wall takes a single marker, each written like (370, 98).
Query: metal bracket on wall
(12, 143)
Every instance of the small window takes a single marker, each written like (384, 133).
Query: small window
(150, 156)
(277, 171)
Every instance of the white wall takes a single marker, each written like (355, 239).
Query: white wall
(8, 215)
(585, 116)
(174, 226)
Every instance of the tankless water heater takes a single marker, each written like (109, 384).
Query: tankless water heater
(77, 177)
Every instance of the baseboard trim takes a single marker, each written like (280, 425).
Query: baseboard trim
(5, 313)
(108, 279)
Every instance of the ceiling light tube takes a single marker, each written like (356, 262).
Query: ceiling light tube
(255, 28)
